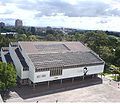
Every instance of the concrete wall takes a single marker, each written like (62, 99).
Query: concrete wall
(67, 73)
(30, 73)
(16, 61)
(22, 74)
(25, 74)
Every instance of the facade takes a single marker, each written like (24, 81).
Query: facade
(18, 23)
(47, 61)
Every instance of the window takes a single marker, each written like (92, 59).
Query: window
(55, 72)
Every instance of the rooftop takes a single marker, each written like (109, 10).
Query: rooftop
(48, 55)
(52, 47)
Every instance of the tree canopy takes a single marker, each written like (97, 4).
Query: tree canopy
(7, 76)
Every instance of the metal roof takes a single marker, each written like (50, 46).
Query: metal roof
(52, 47)
(68, 59)
(48, 55)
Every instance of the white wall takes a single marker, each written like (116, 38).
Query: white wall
(16, 61)
(31, 71)
(25, 74)
(68, 73)
(95, 69)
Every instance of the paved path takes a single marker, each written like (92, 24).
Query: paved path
(77, 92)
(110, 82)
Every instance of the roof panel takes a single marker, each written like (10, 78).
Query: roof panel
(64, 59)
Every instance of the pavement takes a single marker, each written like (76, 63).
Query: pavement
(93, 90)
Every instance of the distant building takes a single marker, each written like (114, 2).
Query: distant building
(47, 61)
(18, 23)
(2, 24)
(9, 34)
(32, 30)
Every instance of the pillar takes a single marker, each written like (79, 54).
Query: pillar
(72, 79)
(61, 81)
(48, 83)
(29, 82)
(34, 85)
(83, 77)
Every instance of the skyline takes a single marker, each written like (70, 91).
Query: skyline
(80, 14)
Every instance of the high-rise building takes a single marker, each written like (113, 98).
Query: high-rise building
(2, 24)
(18, 23)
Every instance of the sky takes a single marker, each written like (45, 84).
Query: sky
(80, 14)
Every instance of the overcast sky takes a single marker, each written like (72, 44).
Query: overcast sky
(82, 14)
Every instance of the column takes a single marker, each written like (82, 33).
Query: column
(48, 83)
(83, 77)
(34, 85)
(29, 82)
(21, 81)
(61, 81)
(93, 76)
(72, 79)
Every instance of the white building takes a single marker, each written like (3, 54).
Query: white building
(47, 61)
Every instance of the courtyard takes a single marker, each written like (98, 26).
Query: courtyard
(91, 90)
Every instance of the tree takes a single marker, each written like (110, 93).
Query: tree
(117, 56)
(77, 37)
(21, 37)
(106, 54)
(32, 38)
(50, 37)
(7, 76)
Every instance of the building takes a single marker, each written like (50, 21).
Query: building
(18, 23)
(47, 61)
(32, 30)
(9, 34)
(2, 24)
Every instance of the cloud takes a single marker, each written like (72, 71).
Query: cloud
(7, 12)
(84, 14)
(78, 8)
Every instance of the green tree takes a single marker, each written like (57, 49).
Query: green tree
(77, 37)
(32, 38)
(50, 37)
(7, 76)
(21, 37)
(106, 54)
(117, 56)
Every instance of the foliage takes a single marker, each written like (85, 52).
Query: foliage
(105, 45)
(7, 76)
